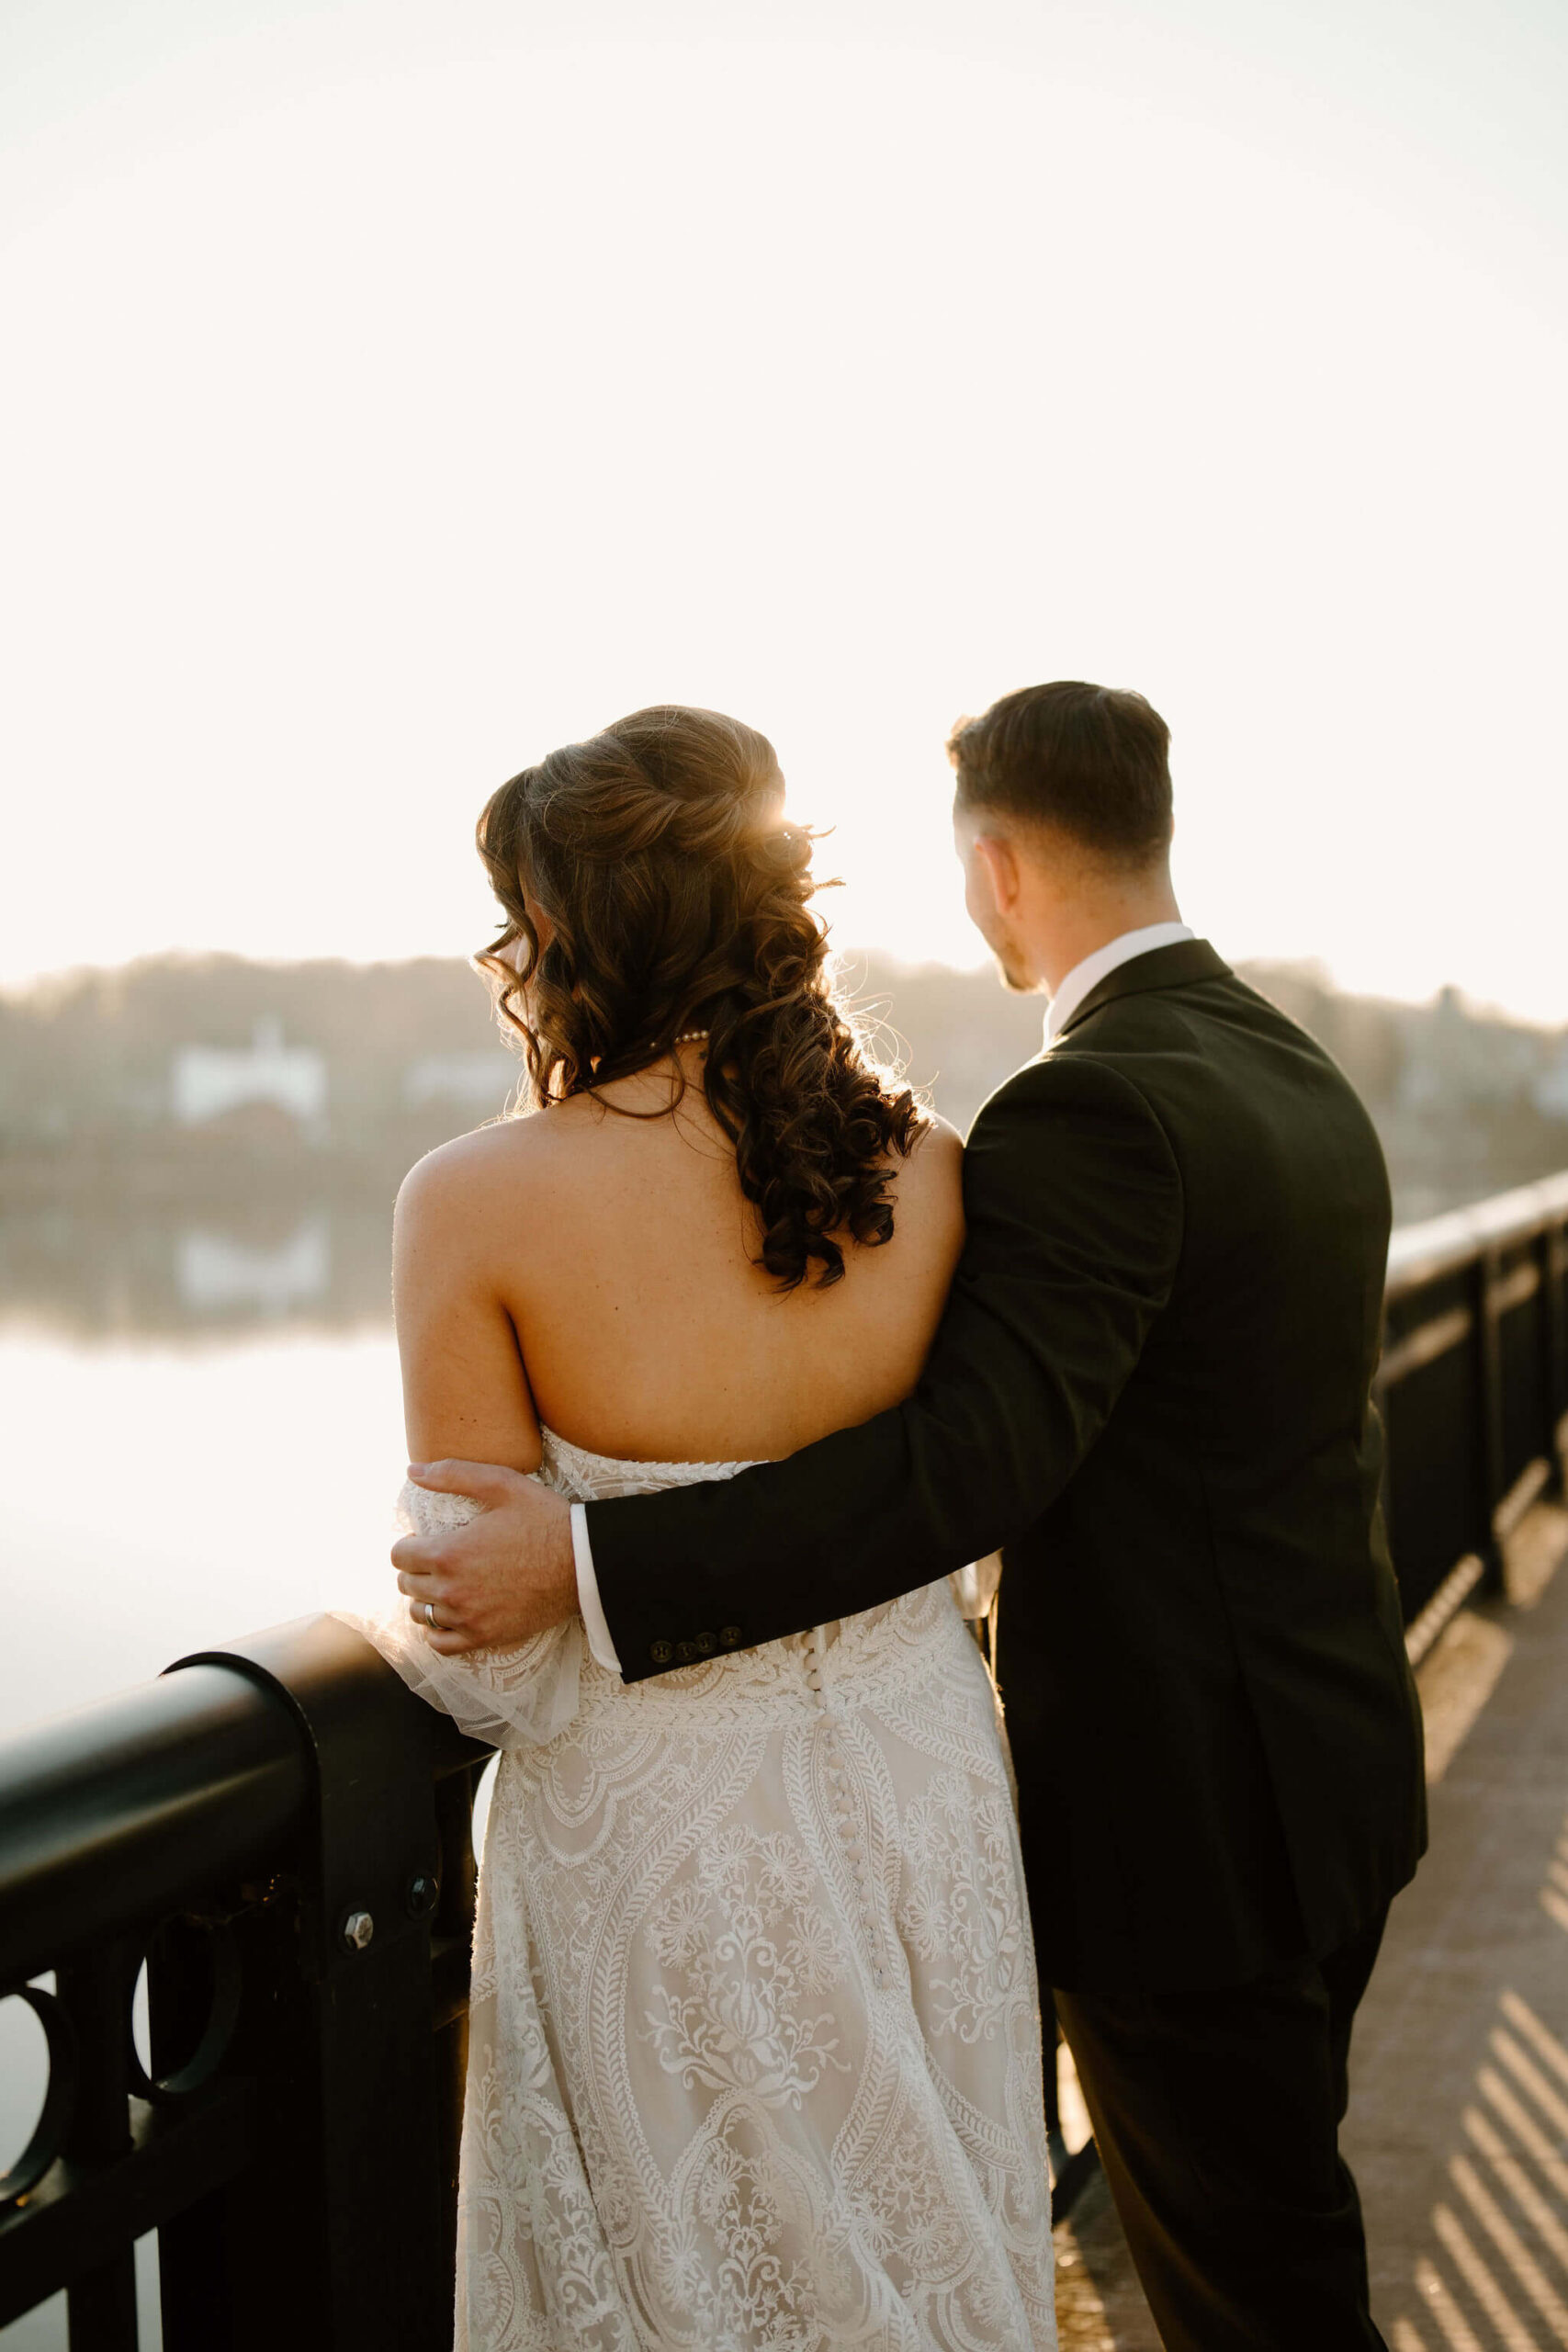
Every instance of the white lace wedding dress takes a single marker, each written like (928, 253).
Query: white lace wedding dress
(755, 2052)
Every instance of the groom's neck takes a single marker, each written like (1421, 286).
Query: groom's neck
(1090, 911)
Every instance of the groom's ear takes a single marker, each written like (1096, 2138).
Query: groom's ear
(998, 860)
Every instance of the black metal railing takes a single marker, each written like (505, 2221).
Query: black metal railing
(1474, 1390)
(282, 1832)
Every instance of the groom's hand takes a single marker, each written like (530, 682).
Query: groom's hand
(500, 1577)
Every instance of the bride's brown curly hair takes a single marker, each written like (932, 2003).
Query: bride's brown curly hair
(676, 897)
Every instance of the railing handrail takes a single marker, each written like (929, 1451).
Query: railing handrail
(1439, 1245)
(135, 1801)
(113, 1815)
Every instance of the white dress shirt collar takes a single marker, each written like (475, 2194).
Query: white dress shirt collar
(1093, 970)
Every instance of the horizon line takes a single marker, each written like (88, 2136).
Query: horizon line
(1313, 968)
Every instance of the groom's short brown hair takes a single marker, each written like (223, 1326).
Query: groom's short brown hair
(1093, 761)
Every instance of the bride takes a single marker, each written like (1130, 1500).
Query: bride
(755, 2038)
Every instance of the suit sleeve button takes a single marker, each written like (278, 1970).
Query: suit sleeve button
(731, 1637)
(706, 1645)
(685, 1651)
(661, 1652)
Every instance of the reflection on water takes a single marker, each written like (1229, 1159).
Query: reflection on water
(215, 1274)
(96, 1268)
(202, 1435)
(160, 1498)
(202, 1427)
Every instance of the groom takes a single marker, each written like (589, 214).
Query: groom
(1152, 1385)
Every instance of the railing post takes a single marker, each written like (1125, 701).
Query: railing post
(1489, 1409)
(350, 2140)
(211, 2255)
(452, 1953)
(95, 1992)
(1553, 1249)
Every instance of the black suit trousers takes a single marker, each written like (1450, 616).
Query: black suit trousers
(1217, 2117)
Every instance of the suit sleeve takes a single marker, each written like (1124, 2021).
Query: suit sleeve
(1074, 1214)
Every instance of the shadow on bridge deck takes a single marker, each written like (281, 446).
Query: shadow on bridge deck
(1458, 2118)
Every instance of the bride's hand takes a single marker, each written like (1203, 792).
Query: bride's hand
(497, 1579)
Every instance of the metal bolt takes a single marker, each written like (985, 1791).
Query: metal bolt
(422, 1895)
(357, 1930)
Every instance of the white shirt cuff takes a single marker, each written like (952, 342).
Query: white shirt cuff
(590, 1606)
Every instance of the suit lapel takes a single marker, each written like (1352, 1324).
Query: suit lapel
(1162, 967)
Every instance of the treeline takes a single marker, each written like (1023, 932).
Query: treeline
(406, 1054)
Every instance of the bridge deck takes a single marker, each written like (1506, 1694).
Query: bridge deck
(1459, 2117)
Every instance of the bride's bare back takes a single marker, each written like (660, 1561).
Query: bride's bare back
(597, 1272)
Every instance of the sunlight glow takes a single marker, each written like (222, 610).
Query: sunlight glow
(394, 394)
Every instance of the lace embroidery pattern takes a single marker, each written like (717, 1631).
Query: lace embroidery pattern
(754, 2044)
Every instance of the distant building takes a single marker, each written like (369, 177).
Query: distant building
(210, 1081)
(479, 1081)
(1456, 1059)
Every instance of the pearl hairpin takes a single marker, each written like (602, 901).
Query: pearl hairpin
(692, 1037)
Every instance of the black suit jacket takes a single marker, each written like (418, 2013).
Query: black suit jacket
(1152, 1385)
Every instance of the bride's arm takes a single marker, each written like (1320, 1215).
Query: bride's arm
(465, 1388)
(466, 1392)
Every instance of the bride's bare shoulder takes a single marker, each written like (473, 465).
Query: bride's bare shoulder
(936, 1160)
(503, 1183)
(940, 1148)
(497, 1166)
(927, 1194)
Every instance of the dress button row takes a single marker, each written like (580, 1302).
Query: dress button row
(853, 1848)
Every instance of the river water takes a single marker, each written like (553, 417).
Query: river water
(162, 1498)
(200, 1435)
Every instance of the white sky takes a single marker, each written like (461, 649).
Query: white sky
(393, 392)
